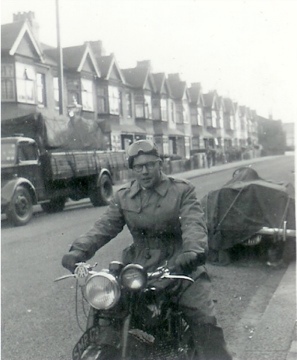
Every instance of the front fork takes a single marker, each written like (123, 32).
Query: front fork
(125, 330)
(125, 334)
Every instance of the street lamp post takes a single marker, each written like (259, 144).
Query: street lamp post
(60, 61)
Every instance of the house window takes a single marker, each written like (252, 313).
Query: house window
(56, 92)
(139, 109)
(179, 113)
(172, 112)
(194, 116)
(232, 122)
(114, 100)
(148, 106)
(185, 112)
(214, 119)
(129, 104)
(101, 100)
(7, 83)
(73, 92)
(164, 109)
(187, 147)
(199, 116)
(121, 103)
(25, 80)
(41, 93)
(87, 95)
(221, 120)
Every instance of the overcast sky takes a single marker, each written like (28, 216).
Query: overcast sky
(243, 49)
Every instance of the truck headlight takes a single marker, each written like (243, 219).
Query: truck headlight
(133, 277)
(102, 291)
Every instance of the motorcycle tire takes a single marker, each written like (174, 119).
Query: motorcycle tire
(109, 352)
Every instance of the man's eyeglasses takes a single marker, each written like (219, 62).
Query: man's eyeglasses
(149, 166)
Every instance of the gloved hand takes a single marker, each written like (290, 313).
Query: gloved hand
(73, 257)
(190, 260)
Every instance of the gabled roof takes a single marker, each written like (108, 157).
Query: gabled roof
(74, 57)
(242, 109)
(229, 105)
(106, 64)
(221, 102)
(138, 77)
(12, 35)
(195, 94)
(178, 88)
(161, 83)
(210, 99)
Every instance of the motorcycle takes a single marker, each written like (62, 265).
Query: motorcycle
(130, 315)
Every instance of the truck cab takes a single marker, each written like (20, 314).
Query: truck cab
(21, 178)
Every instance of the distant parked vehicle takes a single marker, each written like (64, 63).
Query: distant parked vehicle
(249, 210)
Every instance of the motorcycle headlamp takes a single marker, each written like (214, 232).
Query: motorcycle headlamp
(133, 277)
(102, 291)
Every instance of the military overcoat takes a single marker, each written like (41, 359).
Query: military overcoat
(163, 222)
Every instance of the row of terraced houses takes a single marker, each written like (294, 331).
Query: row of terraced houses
(128, 104)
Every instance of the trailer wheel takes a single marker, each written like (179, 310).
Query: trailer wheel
(54, 205)
(20, 209)
(102, 194)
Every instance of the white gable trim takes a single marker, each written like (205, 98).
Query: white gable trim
(114, 63)
(26, 28)
(88, 51)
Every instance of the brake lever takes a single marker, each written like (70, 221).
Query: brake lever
(64, 277)
(81, 271)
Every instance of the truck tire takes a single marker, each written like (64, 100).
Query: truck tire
(20, 209)
(54, 205)
(102, 194)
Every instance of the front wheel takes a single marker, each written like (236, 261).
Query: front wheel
(108, 353)
(103, 193)
(20, 209)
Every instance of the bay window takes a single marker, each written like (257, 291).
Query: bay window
(148, 106)
(114, 100)
(7, 82)
(139, 109)
(129, 104)
(25, 80)
(87, 95)
(41, 90)
(101, 100)
(164, 109)
(56, 92)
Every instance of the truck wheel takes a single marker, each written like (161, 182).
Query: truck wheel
(54, 205)
(102, 194)
(20, 209)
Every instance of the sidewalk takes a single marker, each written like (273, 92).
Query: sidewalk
(275, 335)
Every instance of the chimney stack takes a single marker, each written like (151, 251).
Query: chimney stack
(30, 17)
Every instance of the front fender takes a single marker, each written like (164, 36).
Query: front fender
(104, 171)
(8, 188)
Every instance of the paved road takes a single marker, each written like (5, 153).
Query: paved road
(38, 315)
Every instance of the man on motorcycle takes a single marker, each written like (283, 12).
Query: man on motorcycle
(167, 224)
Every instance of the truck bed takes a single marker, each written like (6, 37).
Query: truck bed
(69, 164)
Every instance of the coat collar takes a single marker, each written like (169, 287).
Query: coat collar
(161, 189)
